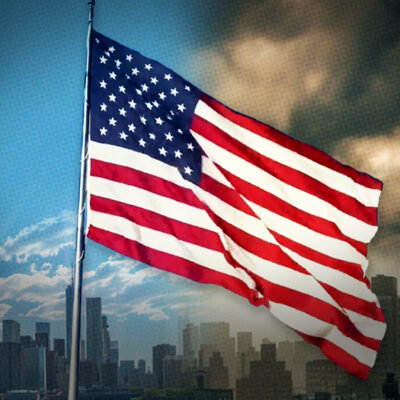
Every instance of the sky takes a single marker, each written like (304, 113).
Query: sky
(325, 73)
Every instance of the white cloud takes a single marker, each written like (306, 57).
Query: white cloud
(3, 309)
(45, 239)
(43, 288)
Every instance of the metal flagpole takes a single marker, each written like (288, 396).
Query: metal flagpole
(80, 234)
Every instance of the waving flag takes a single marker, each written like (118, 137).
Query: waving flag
(181, 182)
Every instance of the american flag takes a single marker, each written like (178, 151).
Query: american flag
(181, 182)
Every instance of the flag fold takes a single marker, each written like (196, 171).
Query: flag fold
(181, 182)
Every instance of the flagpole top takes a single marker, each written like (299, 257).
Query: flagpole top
(91, 3)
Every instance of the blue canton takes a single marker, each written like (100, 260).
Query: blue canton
(139, 104)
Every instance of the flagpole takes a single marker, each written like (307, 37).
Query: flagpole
(80, 234)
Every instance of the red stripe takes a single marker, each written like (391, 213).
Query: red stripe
(143, 180)
(171, 263)
(291, 176)
(367, 308)
(349, 268)
(286, 210)
(182, 231)
(339, 356)
(314, 307)
(286, 141)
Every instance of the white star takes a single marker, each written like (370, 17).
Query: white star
(155, 104)
(188, 170)
(122, 89)
(103, 60)
(142, 143)
(178, 154)
(111, 49)
(172, 113)
(97, 40)
(148, 67)
(112, 74)
(187, 88)
(107, 53)
(123, 135)
(168, 77)
(162, 95)
(169, 117)
(135, 71)
(162, 151)
(112, 97)
(103, 131)
(174, 92)
(131, 128)
(154, 80)
(152, 136)
(112, 121)
(143, 119)
(180, 131)
(103, 107)
(132, 104)
(138, 91)
(149, 105)
(127, 76)
(159, 121)
(129, 57)
(103, 84)
(168, 136)
(181, 107)
(190, 146)
(145, 88)
(118, 63)
(122, 111)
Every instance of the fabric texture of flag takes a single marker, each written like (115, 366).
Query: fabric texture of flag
(181, 182)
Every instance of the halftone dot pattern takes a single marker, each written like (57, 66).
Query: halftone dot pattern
(325, 73)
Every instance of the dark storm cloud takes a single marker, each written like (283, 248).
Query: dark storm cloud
(320, 70)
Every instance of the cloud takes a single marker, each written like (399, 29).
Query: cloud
(44, 239)
(378, 156)
(4, 309)
(43, 288)
(316, 70)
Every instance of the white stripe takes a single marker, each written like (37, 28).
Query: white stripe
(135, 160)
(349, 225)
(301, 234)
(315, 327)
(343, 282)
(281, 154)
(151, 201)
(167, 243)
(369, 327)
(279, 274)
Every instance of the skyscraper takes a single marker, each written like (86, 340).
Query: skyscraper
(159, 353)
(59, 347)
(11, 331)
(69, 302)
(105, 334)
(94, 344)
(114, 352)
(42, 334)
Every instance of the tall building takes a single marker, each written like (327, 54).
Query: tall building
(114, 352)
(159, 353)
(42, 334)
(34, 366)
(11, 331)
(126, 373)
(94, 342)
(268, 378)
(69, 302)
(10, 366)
(105, 334)
(59, 347)
(215, 336)
(191, 340)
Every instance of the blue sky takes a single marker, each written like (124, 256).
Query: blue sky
(291, 68)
